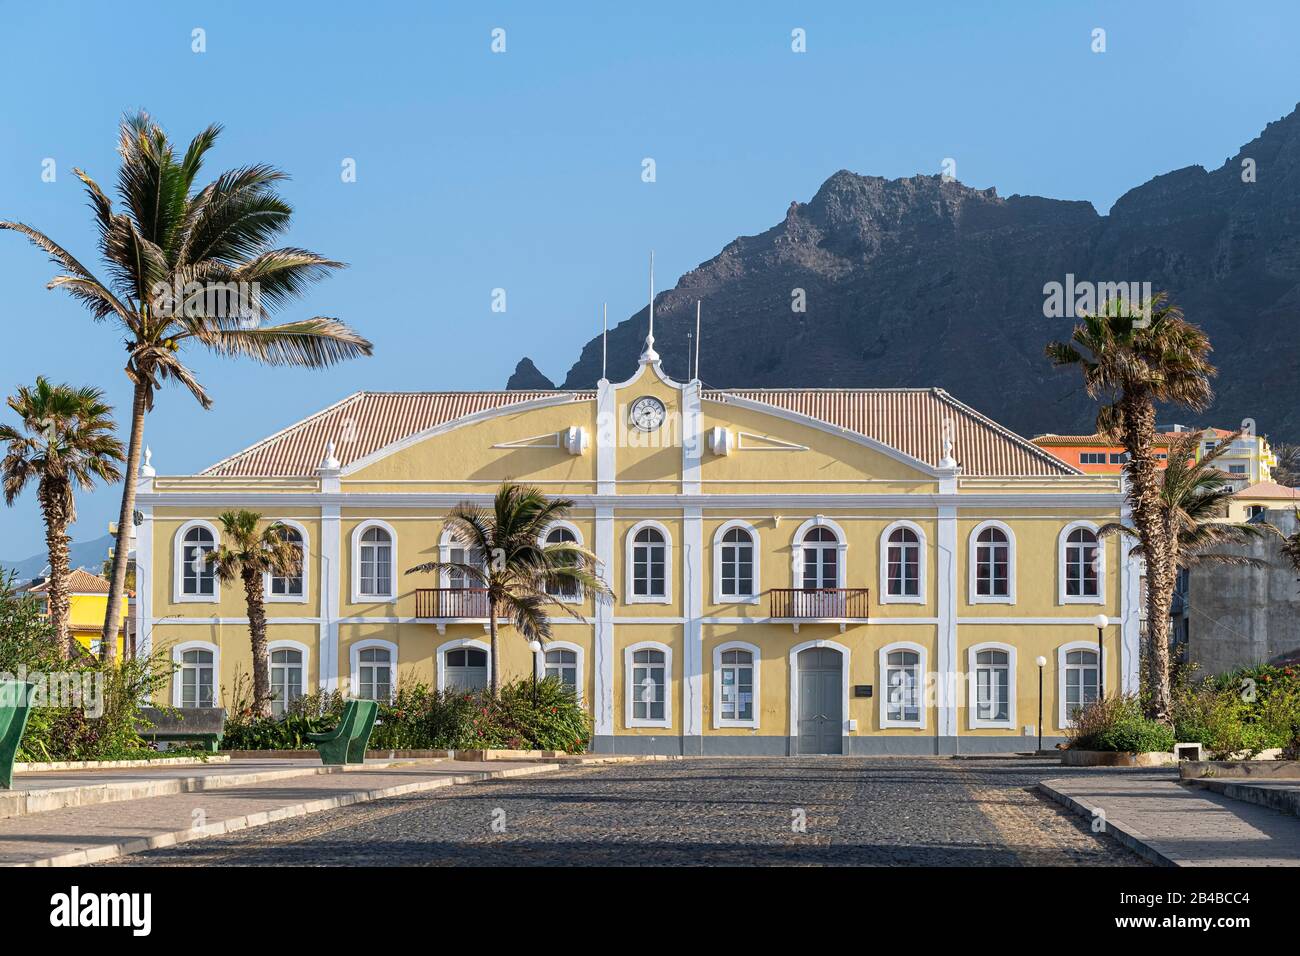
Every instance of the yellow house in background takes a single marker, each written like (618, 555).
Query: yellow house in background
(795, 570)
(87, 605)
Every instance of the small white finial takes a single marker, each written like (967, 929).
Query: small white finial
(330, 462)
(147, 469)
(947, 461)
(649, 355)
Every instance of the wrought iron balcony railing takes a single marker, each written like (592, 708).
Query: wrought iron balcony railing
(814, 603)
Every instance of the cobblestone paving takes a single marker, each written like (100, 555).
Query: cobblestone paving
(858, 811)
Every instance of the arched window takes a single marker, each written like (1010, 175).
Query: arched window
(1081, 565)
(286, 679)
(736, 556)
(375, 674)
(566, 589)
(992, 565)
(290, 587)
(1079, 672)
(563, 665)
(198, 578)
(195, 682)
(649, 564)
(465, 669)
(649, 668)
(736, 686)
(902, 671)
(821, 559)
(375, 561)
(902, 562)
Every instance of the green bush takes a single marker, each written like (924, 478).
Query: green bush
(421, 718)
(28, 650)
(1243, 712)
(1118, 724)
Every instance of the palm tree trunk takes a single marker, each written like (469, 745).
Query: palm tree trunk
(125, 522)
(257, 634)
(1144, 481)
(494, 678)
(54, 508)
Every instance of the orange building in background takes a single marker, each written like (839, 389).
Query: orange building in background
(1095, 454)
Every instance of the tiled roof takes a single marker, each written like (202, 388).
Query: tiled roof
(1164, 439)
(80, 581)
(1270, 489)
(909, 420)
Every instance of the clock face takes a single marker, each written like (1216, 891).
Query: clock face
(647, 413)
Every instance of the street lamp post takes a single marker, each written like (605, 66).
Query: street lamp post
(1101, 620)
(536, 648)
(1042, 662)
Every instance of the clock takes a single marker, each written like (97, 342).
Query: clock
(647, 413)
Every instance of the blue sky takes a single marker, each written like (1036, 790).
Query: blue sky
(522, 170)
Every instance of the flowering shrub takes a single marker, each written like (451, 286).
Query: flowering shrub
(1118, 724)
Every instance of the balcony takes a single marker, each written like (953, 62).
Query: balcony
(838, 605)
(441, 605)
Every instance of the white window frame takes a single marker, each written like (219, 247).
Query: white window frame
(974, 597)
(357, 596)
(177, 651)
(301, 648)
(580, 659)
(270, 598)
(1063, 721)
(922, 561)
(796, 550)
(756, 657)
(178, 565)
(845, 660)
(470, 642)
(572, 528)
(974, 722)
(922, 666)
(628, 654)
(354, 659)
(1061, 544)
(629, 597)
(718, 535)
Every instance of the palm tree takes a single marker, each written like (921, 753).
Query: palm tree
(67, 442)
(1291, 547)
(245, 554)
(1194, 499)
(1131, 363)
(175, 257)
(510, 560)
(1287, 470)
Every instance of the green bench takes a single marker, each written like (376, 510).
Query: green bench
(15, 705)
(346, 743)
(204, 724)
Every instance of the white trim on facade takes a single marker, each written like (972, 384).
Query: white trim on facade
(756, 660)
(922, 564)
(354, 663)
(922, 667)
(757, 586)
(357, 596)
(178, 565)
(629, 653)
(973, 721)
(574, 530)
(580, 662)
(629, 597)
(796, 550)
(972, 594)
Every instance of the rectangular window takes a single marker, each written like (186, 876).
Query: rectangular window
(903, 684)
(1092, 458)
(736, 683)
(1118, 457)
(649, 685)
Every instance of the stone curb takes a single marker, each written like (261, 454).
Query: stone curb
(65, 765)
(110, 851)
(20, 803)
(1129, 836)
(1274, 798)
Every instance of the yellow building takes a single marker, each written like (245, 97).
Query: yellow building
(795, 570)
(1253, 501)
(87, 605)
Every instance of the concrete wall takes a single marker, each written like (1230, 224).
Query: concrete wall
(1243, 616)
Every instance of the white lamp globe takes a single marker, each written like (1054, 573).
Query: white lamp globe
(1101, 620)
(1042, 661)
(534, 646)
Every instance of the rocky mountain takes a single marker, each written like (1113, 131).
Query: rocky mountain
(920, 281)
